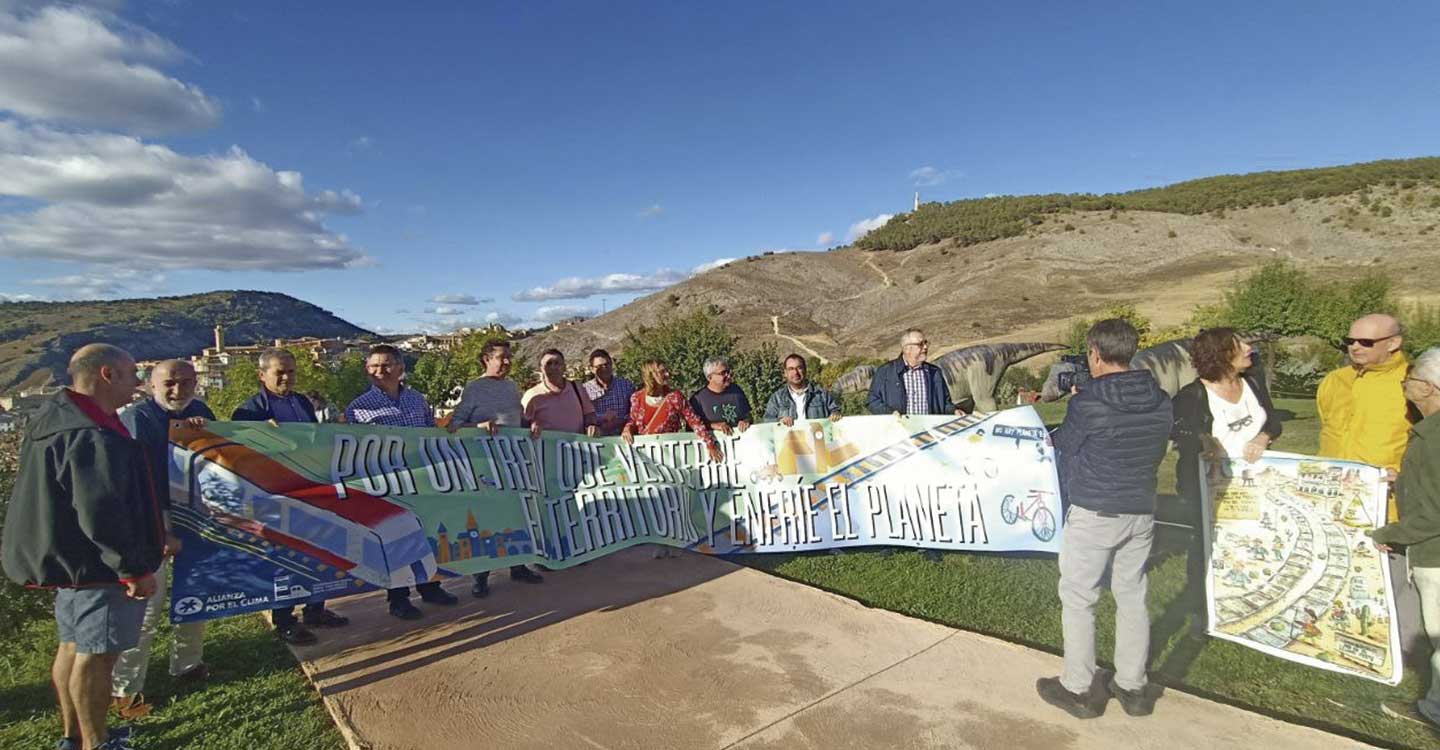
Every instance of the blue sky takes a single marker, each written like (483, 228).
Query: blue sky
(374, 157)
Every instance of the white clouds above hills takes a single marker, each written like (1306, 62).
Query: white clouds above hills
(578, 287)
(556, 313)
(825, 238)
(116, 200)
(85, 66)
(458, 299)
(866, 226)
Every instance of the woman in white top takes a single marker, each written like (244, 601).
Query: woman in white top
(1225, 413)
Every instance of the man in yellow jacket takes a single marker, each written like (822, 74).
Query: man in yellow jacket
(1364, 417)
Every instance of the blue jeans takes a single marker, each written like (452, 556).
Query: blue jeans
(99, 619)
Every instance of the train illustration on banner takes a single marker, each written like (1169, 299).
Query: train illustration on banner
(364, 535)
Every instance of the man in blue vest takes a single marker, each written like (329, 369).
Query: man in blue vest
(278, 403)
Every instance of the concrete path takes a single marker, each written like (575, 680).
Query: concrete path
(694, 652)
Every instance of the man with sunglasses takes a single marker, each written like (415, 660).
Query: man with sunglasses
(1364, 417)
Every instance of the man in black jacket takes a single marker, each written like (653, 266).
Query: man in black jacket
(278, 403)
(909, 384)
(84, 519)
(1109, 449)
(172, 398)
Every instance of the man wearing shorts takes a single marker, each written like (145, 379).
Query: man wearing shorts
(84, 519)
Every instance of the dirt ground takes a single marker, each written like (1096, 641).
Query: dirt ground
(695, 652)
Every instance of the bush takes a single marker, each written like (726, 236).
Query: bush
(18, 605)
(1282, 299)
(684, 342)
(1299, 368)
(1015, 379)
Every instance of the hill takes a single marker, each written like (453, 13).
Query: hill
(37, 338)
(1019, 268)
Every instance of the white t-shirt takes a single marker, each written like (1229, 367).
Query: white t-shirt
(799, 399)
(1236, 424)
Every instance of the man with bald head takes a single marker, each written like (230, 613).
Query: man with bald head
(84, 519)
(172, 399)
(1364, 417)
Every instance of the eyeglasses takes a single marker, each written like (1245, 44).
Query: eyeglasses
(1241, 423)
(921, 344)
(1367, 343)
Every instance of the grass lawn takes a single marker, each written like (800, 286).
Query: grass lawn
(256, 697)
(1014, 597)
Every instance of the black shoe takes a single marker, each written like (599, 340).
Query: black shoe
(295, 634)
(481, 589)
(525, 575)
(1135, 702)
(324, 619)
(404, 610)
(1088, 706)
(439, 596)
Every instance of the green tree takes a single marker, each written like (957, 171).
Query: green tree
(684, 342)
(351, 379)
(241, 382)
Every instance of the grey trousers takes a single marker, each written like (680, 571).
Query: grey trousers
(1427, 580)
(186, 652)
(1407, 605)
(1092, 545)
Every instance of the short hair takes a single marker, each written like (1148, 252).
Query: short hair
(1114, 340)
(384, 349)
(1212, 351)
(907, 333)
(85, 364)
(713, 364)
(599, 353)
(792, 355)
(273, 353)
(491, 347)
(649, 370)
(1427, 366)
(172, 364)
(551, 353)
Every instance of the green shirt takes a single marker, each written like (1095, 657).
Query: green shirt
(1417, 495)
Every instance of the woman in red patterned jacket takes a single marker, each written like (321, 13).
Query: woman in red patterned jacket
(656, 409)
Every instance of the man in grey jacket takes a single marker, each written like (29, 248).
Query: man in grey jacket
(799, 398)
(1108, 449)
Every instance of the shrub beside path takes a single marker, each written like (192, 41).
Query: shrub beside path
(696, 652)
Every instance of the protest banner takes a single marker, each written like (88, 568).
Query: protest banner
(271, 516)
(1291, 571)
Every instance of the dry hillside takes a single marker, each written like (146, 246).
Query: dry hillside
(855, 302)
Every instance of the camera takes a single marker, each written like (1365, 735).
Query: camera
(1075, 376)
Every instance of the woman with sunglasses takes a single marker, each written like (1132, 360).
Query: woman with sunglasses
(1225, 413)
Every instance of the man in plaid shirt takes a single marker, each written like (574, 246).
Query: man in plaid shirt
(610, 394)
(909, 384)
(389, 402)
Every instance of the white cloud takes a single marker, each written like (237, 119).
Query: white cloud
(556, 313)
(20, 298)
(652, 212)
(86, 66)
(825, 238)
(930, 176)
(502, 318)
(362, 143)
(445, 310)
(865, 226)
(107, 283)
(257, 104)
(577, 287)
(711, 266)
(459, 299)
(117, 200)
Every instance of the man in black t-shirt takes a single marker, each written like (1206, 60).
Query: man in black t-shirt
(721, 403)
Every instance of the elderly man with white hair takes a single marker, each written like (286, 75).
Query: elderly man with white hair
(1417, 493)
(721, 403)
(172, 399)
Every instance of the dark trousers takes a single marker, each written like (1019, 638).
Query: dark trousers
(402, 593)
(286, 615)
(486, 575)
